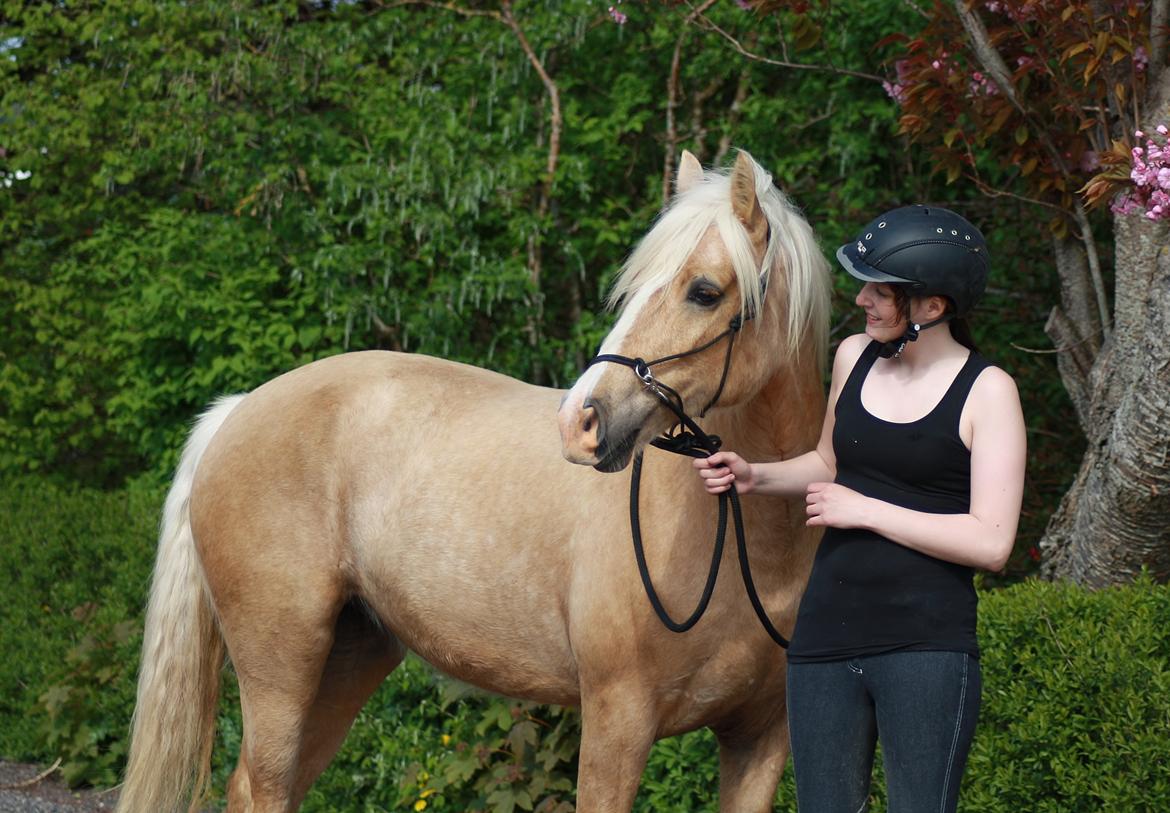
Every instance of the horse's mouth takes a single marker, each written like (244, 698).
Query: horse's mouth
(614, 457)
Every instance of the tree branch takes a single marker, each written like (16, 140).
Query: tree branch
(921, 11)
(556, 126)
(672, 101)
(733, 114)
(997, 69)
(1159, 18)
(1086, 235)
(782, 63)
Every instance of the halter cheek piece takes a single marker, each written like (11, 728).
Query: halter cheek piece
(686, 437)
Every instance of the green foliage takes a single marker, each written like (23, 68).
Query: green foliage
(82, 710)
(1076, 713)
(1076, 709)
(200, 196)
(73, 570)
(430, 743)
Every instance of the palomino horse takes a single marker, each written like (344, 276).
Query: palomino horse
(371, 503)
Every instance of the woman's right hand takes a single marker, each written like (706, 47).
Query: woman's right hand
(722, 469)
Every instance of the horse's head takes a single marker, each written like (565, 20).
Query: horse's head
(729, 250)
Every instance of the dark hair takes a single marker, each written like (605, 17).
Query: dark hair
(960, 327)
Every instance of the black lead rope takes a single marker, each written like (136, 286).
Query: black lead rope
(688, 439)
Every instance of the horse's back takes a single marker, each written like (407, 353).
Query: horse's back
(433, 491)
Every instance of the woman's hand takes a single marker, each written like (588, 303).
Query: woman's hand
(835, 506)
(722, 469)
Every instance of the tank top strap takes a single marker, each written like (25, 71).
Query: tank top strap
(951, 407)
(851, 392)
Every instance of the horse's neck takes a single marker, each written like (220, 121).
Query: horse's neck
(782, 421)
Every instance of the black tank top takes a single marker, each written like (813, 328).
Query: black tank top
(867, 595)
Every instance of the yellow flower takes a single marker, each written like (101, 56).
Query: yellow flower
(421, 804)
(426, 793)
(446, 738)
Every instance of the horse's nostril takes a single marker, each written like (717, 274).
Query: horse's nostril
(588, 426)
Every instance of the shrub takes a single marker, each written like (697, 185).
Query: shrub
(1076, 708)
(74, 565)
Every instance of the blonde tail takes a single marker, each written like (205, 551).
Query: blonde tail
(182, 655)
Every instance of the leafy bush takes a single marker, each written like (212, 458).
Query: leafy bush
(1076, 710)
(74, 565)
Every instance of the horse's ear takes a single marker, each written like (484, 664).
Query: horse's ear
(744, 202)
(690, 172)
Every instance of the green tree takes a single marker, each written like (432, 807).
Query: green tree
(199, 196)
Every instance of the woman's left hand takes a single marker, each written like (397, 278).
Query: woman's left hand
(835, 506)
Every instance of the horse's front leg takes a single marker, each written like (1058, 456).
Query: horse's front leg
(752, 756)
(618, 724)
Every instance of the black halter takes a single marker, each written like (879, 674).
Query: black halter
(687, 438)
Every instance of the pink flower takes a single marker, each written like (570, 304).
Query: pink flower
(618, 17)
(1150, 174)
(1140, 58)
(895, 92)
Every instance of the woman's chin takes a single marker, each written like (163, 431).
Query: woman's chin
(882, 333)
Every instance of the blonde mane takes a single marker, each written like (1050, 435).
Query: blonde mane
(792, 251)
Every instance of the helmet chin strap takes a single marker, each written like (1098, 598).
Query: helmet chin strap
(894, 349)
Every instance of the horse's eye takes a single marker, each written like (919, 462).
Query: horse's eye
(704, 294)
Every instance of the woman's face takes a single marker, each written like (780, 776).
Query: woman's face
(883, 320)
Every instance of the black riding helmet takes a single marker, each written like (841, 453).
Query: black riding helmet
(932, 250)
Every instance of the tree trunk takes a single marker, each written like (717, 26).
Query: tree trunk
(1115, 519)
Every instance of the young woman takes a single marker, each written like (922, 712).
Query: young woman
(917, 480)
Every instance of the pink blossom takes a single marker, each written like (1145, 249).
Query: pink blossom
(895, 91)
(618, 16)
(1140, 58)
(1150, 174)
(981, 85)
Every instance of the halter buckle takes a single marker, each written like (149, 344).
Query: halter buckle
(642, 370)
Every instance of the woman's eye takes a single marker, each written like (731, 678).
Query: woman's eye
(704, 295)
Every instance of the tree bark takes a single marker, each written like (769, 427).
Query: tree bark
(1114, 519)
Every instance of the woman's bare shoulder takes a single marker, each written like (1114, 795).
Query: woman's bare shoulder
(849, 350)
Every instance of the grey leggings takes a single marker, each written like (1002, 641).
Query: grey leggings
(922, 706)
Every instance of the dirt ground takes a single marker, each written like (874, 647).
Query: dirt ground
(21, 791)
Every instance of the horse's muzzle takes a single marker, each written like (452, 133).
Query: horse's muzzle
(582, 430)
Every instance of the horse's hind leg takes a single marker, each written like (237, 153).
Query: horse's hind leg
(362, 655)
(302, 683)
(279, 646)
(752, 757)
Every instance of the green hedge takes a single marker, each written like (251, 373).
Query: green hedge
(1076, 711)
